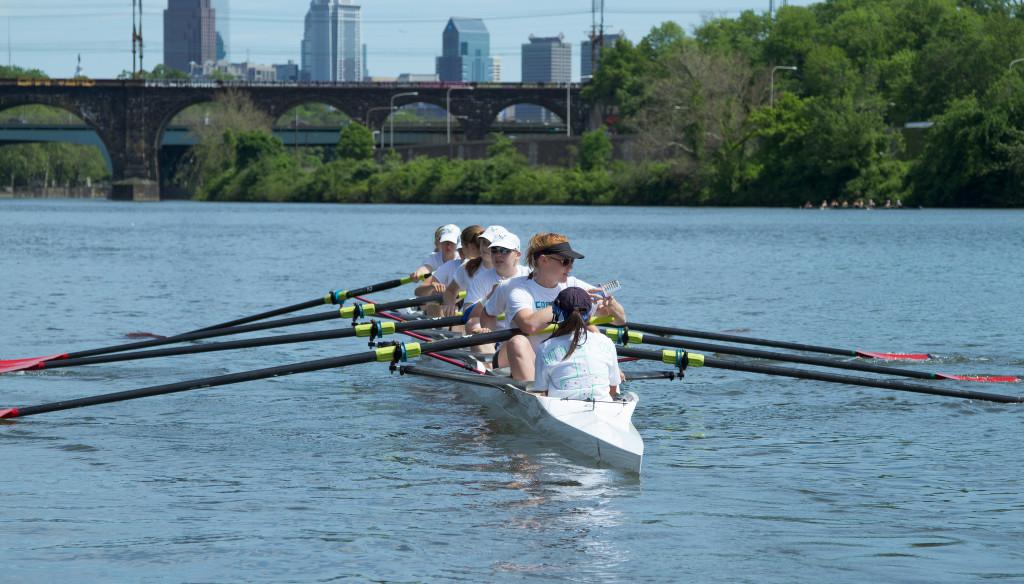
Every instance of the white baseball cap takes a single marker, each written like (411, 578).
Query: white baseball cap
(450, 233)
(493, 232)
(506, 240)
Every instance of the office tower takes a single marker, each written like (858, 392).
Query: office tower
(465, 52)
(222, 16)
(332, 45)
(287, 71)
(545, 60)
(189, 34)
(588, 53)
(366, 64)
(496, 69)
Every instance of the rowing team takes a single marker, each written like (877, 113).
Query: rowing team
(485, 263)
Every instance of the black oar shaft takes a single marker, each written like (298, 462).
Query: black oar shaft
(264, 315)
(758, 354)
(382, 354)
(830, 377)
(247, 343)
(199, 384)
(663, 330)
(335, 297)
(196, 336)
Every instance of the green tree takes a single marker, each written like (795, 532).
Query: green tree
(356, 143)
(974, 156)
(823, 147)
(595, 150)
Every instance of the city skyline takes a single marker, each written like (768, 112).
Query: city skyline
(402, 35)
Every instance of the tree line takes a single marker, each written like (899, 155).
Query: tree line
(812, 103)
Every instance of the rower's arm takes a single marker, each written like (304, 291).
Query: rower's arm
(451, 294)
(420, 272)
(431, 286)
(533, 321)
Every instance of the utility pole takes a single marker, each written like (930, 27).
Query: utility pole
(137, 66)
(596, 33)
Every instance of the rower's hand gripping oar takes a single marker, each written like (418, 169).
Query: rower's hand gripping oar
(679, 332)
(628, 337)
(683, 360)
(335, 297)
(354, 312)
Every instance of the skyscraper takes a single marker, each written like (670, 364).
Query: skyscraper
(332, 46)
(545, 60)
(587, 54)
(222, 14)
(465, 52)
(189, 33)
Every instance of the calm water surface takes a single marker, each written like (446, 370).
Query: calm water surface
(356, 475)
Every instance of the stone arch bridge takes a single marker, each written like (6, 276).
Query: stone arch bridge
(130, 116)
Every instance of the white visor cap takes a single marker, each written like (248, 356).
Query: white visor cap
(506, 240)
(450, 233)
(493, 232)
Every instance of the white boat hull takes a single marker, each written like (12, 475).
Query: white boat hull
(601, 430)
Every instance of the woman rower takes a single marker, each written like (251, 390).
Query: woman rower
(526, 301)
(443, 277)
(577, 361)
(498, 261)
(446, 244)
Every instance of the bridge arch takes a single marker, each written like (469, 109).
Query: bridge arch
(56, 122)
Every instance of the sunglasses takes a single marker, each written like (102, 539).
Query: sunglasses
(566, 262)
(500, 251)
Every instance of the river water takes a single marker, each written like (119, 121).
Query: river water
(356, 475)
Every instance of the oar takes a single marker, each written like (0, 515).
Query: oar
(390, 354)
(679, 332)
(373, 330)
(335, 297)
(354, 312)
(627, 337)
(680, 358)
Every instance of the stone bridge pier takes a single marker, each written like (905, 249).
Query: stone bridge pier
(130, 116)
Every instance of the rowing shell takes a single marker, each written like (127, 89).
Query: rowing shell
(600, 430)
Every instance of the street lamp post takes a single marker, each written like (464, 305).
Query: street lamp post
(368, 113)
(774, 69)
(448, 107)
(1014, 62)
(393, 98)
(568, 110)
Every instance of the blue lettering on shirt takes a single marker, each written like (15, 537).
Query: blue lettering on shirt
(537, 305)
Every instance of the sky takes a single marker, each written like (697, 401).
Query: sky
(402, 36)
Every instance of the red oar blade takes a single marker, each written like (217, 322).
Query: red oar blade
(981, 378)
(895, 356)
(9, 413)
(27, 364)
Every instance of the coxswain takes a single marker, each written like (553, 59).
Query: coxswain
(576, 362)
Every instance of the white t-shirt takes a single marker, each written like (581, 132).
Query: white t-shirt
(433, 260)
(587, 374)
(526, 293)
(484, 281)
(446, 273)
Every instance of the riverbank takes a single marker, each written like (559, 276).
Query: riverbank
(93, 192)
